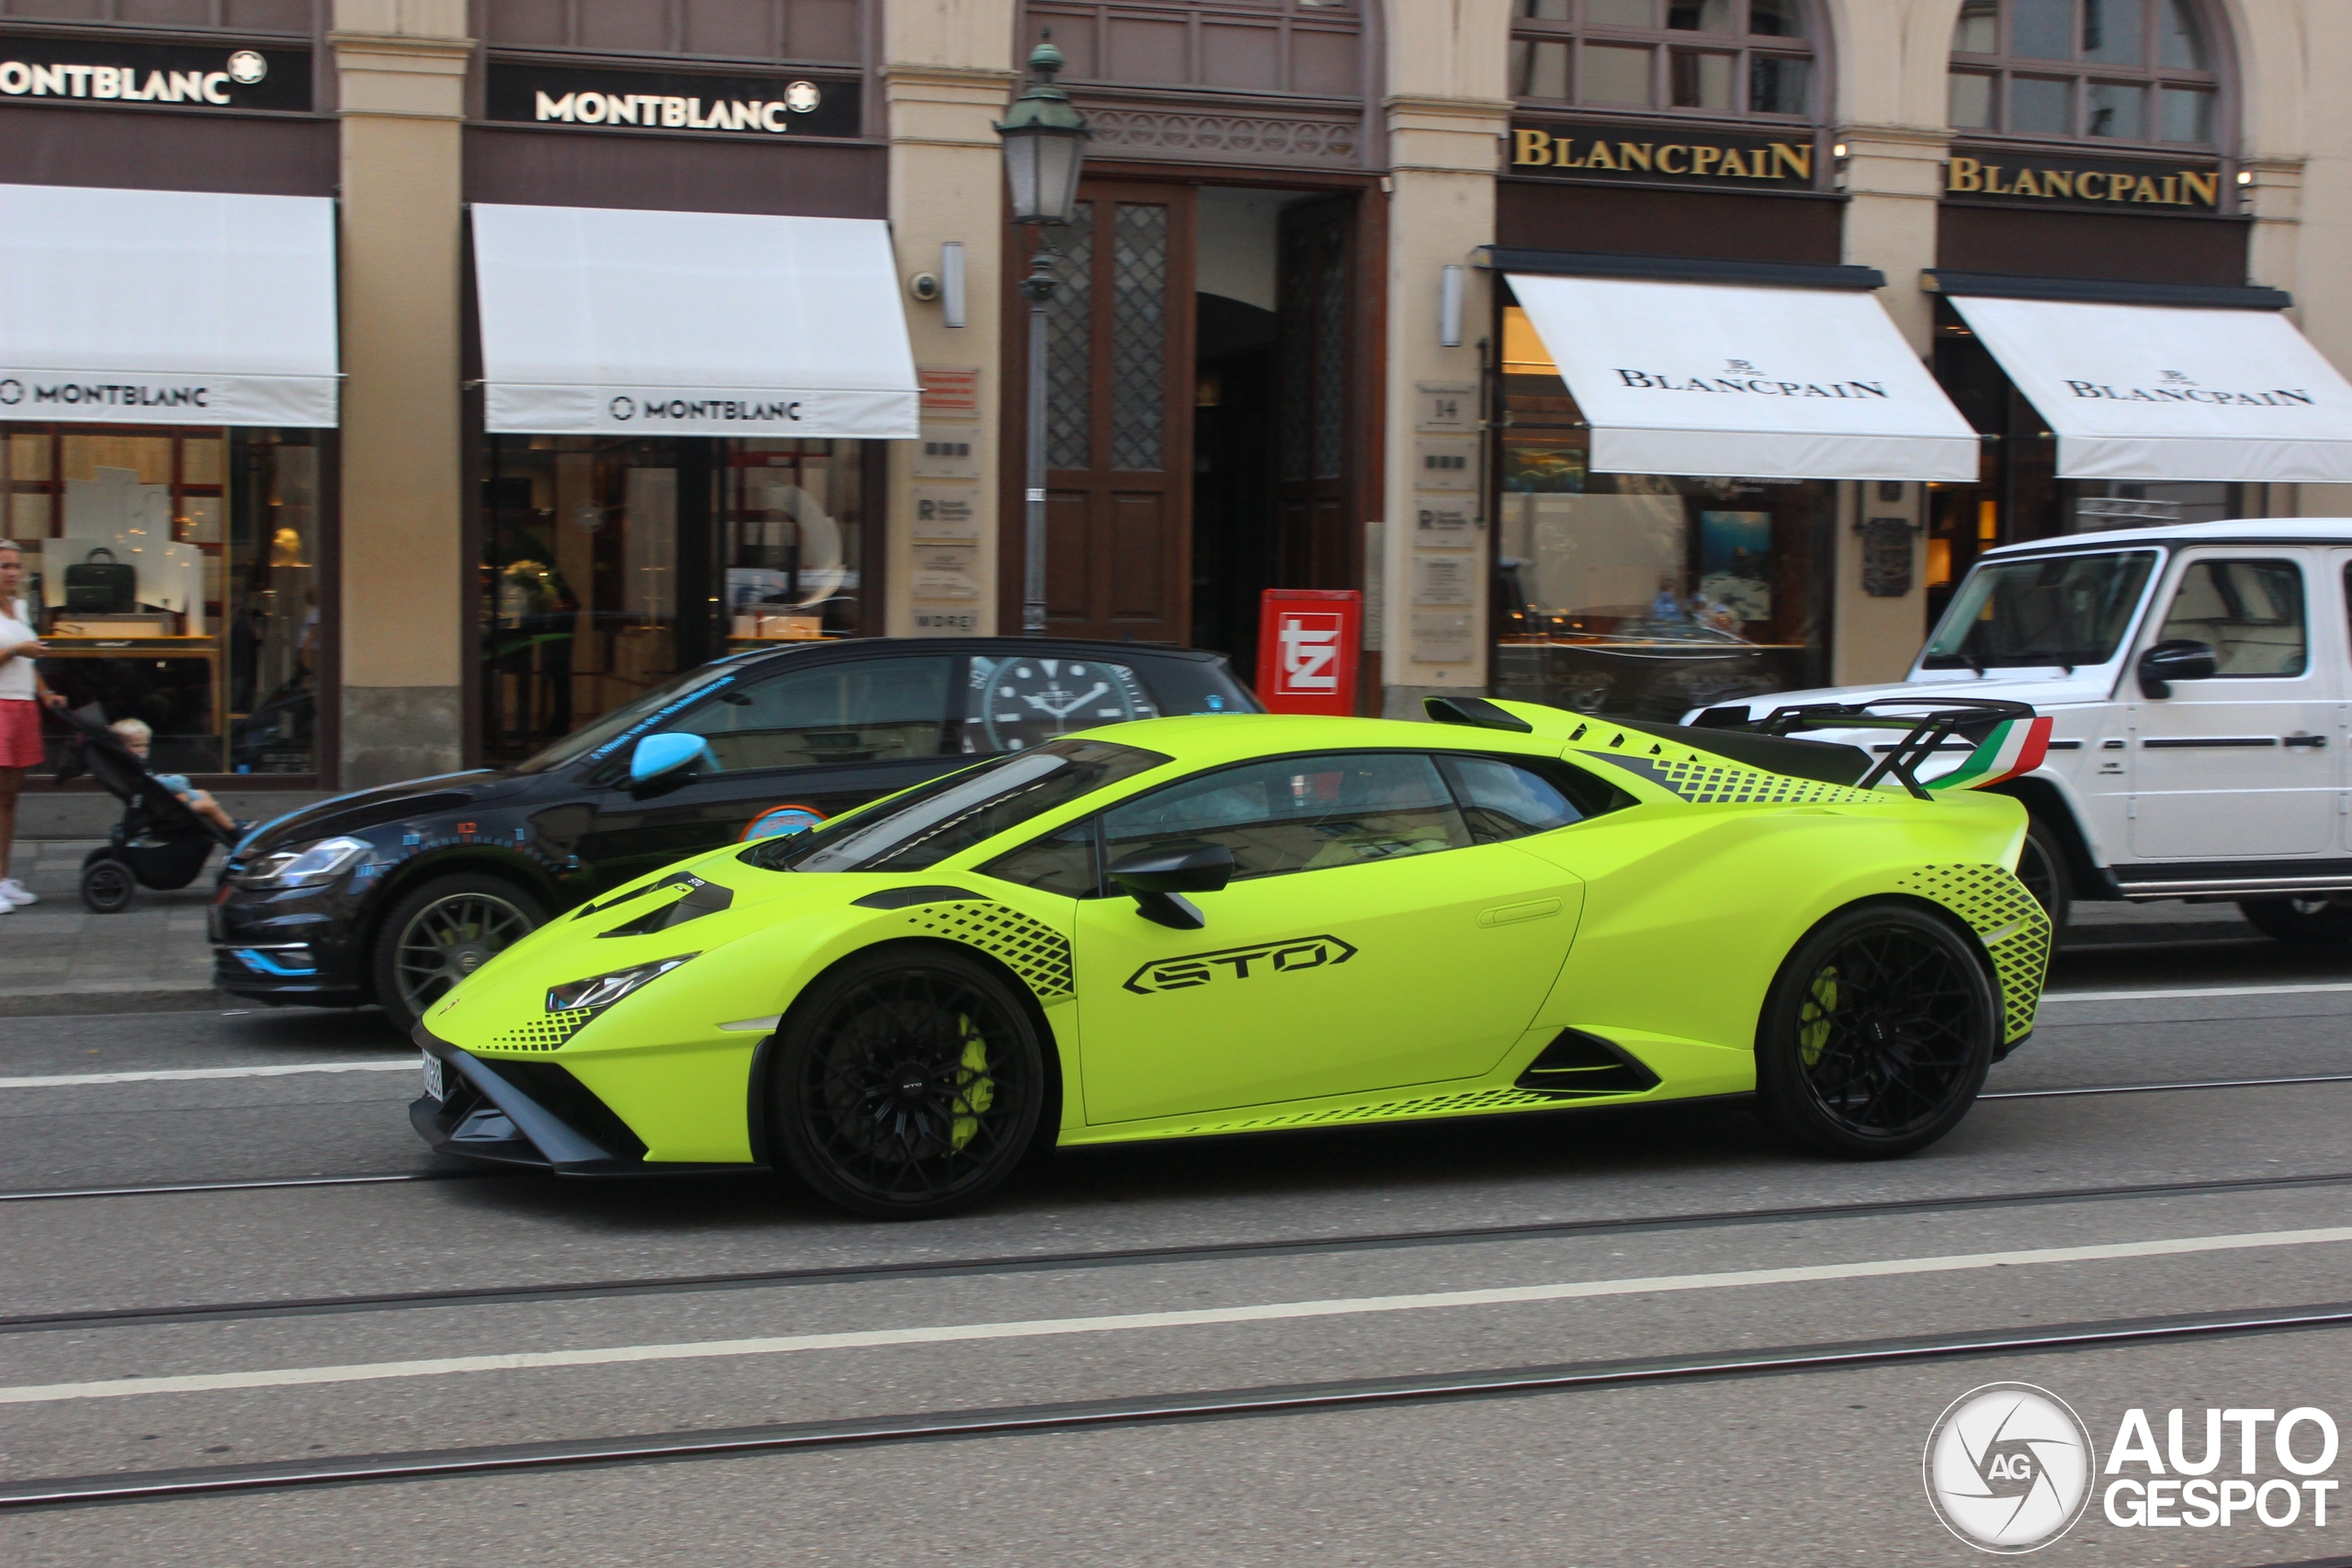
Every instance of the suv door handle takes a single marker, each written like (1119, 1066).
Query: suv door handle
(2307, 740)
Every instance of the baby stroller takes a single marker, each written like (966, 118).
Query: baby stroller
(159, 843)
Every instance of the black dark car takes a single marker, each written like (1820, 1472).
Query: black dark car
(394, 895)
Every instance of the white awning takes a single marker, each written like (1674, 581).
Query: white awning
(610, 321)
(2168, 392)
(1735, 379)
(166, 307)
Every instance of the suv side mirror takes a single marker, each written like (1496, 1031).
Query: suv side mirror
(664, 758)
(2182, 659)
(1158, 880)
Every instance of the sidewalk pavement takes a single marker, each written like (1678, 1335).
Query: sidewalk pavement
(57, 957)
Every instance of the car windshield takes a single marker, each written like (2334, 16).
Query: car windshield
(2061, 610)
(625, 722)
(925, 825)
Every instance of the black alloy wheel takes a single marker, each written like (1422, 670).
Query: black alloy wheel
(1877, 1033)
(107, 886)
(2322, 920)
(441, 932)
(906, 1084)
(2042, 866)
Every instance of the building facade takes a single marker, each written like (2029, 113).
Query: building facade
(1624, 354)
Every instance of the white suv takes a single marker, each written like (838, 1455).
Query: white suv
(2200, 678)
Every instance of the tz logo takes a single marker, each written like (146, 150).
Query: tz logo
(1310, 644)
(1240, 963)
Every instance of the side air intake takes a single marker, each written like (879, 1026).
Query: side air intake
(1579, 1064)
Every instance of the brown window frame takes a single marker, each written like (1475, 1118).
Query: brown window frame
(1743, 47)
(2004, 66)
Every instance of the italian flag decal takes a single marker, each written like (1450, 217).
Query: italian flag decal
(2016, 746)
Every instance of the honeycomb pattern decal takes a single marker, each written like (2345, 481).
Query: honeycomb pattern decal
(545, 1032)
(1030, 948)
(1703, 782)
(1397, 1109)
(2012, 926)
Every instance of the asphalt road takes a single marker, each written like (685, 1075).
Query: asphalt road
(1637, 1337)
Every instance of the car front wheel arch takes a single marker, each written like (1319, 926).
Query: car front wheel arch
(761, 1109)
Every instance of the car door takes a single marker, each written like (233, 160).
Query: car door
(2238, 767)
(1368, 942)
(808, 741)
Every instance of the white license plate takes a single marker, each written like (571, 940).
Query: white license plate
(434, 1084)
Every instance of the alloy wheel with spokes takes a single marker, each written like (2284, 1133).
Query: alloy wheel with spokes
(906, 1086)
(441, 933)
(1877, 1036)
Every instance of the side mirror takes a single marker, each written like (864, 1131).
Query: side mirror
(1159, 879)
(664, 756)
(2183, 658)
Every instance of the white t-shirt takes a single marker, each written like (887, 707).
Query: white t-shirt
(17, 675)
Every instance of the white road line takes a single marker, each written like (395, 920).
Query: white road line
(291, 1377)
(68, 1080)
(2190, 991)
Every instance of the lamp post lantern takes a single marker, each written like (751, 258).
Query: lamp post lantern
(1045, 140)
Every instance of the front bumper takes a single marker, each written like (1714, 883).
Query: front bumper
(293, 945)
(530, 1114)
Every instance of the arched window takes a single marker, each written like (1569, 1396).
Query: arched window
(1737, 58)
(2124, 71)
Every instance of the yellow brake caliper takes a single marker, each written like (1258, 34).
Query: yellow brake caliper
(979, 1088)
(1813, 1022)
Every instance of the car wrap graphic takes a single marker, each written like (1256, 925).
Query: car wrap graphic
(1285, 957)
(2016, 746)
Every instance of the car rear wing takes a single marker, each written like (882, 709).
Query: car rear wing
(2008, 738)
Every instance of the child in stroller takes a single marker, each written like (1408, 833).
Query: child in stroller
(163, 837)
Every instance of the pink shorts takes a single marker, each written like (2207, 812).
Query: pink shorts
(19, 733)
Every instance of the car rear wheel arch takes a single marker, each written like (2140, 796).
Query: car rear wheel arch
(1789, 1087)
(2052, 812)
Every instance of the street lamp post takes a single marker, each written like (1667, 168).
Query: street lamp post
(1044, 144)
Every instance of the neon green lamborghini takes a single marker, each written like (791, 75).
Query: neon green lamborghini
(1241, 923)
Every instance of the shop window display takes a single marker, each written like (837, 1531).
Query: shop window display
(1644, 595)
(177, 584)
(610, 564)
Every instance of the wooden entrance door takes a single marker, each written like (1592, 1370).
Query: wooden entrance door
(1119, 421)
(1314, 360)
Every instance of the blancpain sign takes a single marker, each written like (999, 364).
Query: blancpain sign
(1738, 376)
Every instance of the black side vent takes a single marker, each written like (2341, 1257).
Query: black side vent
(907, 897)
(705, 898)
(1577, 1064)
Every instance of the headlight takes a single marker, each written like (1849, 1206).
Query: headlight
(304, 866)
(604, 990)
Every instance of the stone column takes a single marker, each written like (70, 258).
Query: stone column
(1894, 175)
(947, 186)
(947, 73)
(406, 610)
(1442, 155)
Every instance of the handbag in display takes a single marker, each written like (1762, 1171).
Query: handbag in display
(94, 587)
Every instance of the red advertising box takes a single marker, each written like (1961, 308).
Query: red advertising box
(1307, 642)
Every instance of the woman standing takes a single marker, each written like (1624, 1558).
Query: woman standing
(22, 691)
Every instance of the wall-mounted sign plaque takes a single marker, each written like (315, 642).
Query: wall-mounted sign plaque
(2009, 177)
(153, 75)
(756, 107)
(1649, 153)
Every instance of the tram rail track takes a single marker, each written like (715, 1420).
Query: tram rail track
(1120, 1258)
(1270, 1401)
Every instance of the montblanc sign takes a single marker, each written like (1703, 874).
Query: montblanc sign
(1651, 153)
(755, 107)
(153, 75)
